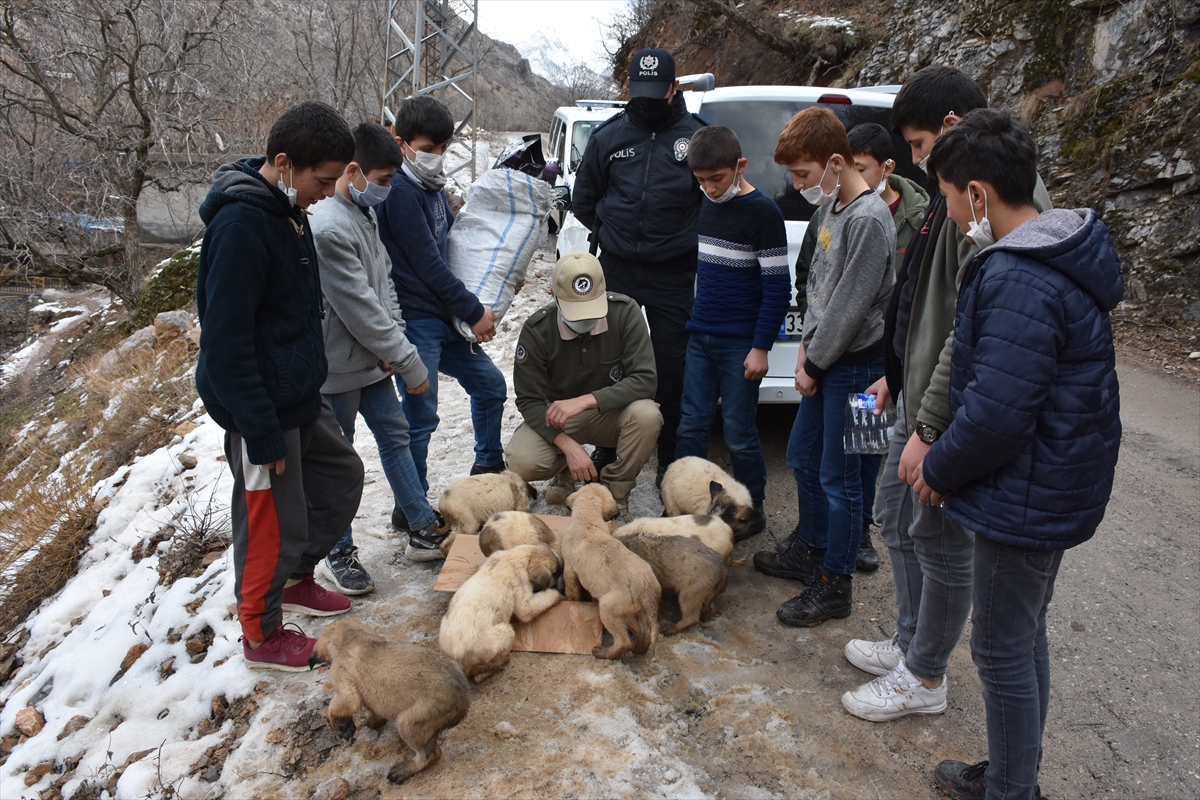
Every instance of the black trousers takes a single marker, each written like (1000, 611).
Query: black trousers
(667, 290)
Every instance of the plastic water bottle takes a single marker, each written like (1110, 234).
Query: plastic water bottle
(865, 433)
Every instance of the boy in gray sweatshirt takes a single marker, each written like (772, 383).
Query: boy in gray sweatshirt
(849, 285)
(366, 345)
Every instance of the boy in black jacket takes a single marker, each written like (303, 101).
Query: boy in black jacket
(297, 481)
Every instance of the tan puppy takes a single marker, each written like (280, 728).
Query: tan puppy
(468, 502)
(692, 485)
(425, 692)
(477, 631)
(709, 529)
(623, 584)
(508, 529)
(686, 566)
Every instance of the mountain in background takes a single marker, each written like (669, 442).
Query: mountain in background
(557, 63)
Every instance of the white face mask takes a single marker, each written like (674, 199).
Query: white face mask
(882, 187)
(818, 196)
(980, 231)
(923, 164)
(430, 163)
(733, 191)
(373, 195)
(290, 191)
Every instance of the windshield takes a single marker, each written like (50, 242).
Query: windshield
(580, 133)
(758, 124)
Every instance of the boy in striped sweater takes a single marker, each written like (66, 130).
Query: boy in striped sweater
(742, 294)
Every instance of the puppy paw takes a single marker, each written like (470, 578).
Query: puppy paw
(345, 729)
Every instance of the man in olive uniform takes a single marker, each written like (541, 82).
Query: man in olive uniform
(584, 374)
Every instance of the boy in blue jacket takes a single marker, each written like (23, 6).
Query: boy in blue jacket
(296, 480)
(414, 224)
(1028, 460)
(742, 295)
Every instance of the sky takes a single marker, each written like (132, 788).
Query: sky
(579, 24)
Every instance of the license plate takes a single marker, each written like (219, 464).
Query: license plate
(793, 325)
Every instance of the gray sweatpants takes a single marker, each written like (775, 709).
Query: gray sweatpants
(932, 562)
(283, 525)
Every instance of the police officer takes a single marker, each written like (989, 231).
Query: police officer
(584, 374)
(635, 192)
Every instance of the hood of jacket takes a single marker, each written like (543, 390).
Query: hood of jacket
(241, 182)
(1074, 242)
(913, 199)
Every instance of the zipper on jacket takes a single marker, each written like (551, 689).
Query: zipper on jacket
(642, 207)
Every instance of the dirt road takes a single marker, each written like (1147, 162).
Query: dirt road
(744, 707)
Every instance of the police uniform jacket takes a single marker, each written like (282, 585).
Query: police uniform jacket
(617, 366)
(635, 189)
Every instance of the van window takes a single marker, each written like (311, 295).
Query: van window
(758, 124)
(580, 133)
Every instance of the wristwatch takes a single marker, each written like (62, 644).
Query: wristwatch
(927, 433)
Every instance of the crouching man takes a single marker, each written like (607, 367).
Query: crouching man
(584, 374)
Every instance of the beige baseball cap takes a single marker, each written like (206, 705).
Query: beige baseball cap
(579, 287)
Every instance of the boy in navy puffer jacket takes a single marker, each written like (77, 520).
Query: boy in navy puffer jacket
(1028, 460)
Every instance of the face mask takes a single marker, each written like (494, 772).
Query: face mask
(372, 196)
(580, 326)
(654, 112)
(980, 231)
(923, 164)
(818, 196)
(427, 167)
(734, 189)
(290, 191)
(883, 183)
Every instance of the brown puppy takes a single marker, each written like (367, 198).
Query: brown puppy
(468, 502)
(508, 529)
(623, 584)
(424, 691)
(686, 566)
(477, 631)
(692, 485)
(708, 528)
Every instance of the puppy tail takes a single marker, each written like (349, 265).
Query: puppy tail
(647, 631)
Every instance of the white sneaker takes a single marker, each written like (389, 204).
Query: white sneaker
(895, 695)
(877, 658)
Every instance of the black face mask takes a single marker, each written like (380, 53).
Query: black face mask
(652, 112)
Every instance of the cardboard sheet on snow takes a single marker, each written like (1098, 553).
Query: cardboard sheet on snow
(569, 627)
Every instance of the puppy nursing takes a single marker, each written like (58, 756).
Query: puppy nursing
(686, 566)
(422, 690)
(622, 584)
(467, 503)
(693, 485)
(477, 630)
(508, 529)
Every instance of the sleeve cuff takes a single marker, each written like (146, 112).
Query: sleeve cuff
(266, 449)
(813, 371)
(763, 344)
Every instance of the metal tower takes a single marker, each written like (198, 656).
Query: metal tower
(442, 55)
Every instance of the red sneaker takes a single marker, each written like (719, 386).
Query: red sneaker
(309, 597)
(286, 649)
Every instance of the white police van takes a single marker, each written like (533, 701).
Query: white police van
(758, 115)
(569, 134)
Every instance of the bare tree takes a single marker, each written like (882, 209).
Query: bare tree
(104, 97)
(339, 56)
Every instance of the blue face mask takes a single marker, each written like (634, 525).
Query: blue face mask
(372, 196)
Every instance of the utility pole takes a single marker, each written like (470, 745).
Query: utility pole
(441, 57)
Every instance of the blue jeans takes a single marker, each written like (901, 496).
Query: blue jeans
(829, 483)
(932, 565)
(442, 349)
(380, 407)
(1013, 587)
(714, 369)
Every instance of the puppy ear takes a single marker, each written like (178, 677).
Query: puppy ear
(571, 499)
(532, 492)
(715, 490)
(611, 509)
(540, 577)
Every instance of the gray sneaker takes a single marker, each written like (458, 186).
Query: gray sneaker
(343, 569)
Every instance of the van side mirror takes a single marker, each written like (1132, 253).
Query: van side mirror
(560, 198)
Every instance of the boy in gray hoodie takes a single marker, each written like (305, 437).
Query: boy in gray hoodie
(366, 345)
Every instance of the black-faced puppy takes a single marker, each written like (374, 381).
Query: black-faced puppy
(421, 689)
(623, 584)
(692, 485)
(467, 502)
(686, 566)
(477, 630)
(509, 529)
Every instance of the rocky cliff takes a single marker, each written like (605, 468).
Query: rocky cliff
(1110, 89)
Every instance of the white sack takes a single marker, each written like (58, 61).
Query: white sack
(494, 236)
